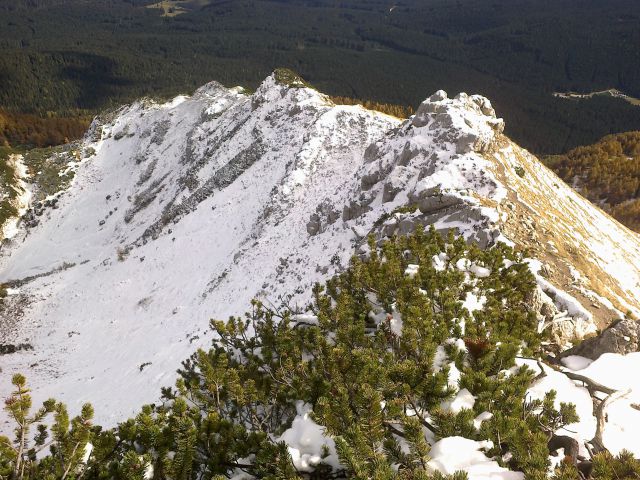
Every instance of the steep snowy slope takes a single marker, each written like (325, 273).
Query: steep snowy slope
(186, 211)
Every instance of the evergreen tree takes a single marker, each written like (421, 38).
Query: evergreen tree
(375, 363)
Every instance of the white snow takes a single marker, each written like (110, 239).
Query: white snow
(395, 322)
(439, 358)
(454, 375)
(477, 422)
(453, 454)
(480, 272)
(411, 270)
(305, 440)
(21, 202)
(440, 361)
(568, 392)
(148, 472)
(612, 370)
(305, 318)
(439, 261)
(94, 324)
(472, 302)
(462, 400)
(576, 362)
(88, 449)
(619, 372)
(205, 204)
(563, 300)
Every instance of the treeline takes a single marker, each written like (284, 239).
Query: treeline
(67, 54)
(607, 173)
(399, 111)
(11, 5)
(27, 130)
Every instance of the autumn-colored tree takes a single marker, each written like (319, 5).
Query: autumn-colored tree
(607, 173)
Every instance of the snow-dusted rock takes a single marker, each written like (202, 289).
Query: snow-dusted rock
(190, 209)
(622, 337)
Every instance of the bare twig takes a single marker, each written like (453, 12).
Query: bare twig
(542, 373)
(394, 430)
(66, 472)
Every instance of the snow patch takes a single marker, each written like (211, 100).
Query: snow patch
(463, 400)
(10, 229)
(307, 442)
(453, 454)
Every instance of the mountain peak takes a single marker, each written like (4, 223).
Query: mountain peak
(187, 210)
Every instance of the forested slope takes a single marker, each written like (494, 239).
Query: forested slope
(607, 173)
(61, 55)
(28, 130)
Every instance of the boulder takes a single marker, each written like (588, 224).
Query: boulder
(622, 336)
(313, 225)
(434, 199)
(354, 210)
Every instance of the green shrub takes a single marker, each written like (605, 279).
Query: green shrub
(289, 78)
(363, 360)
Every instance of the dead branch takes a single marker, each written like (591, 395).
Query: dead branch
(600, 413)
(542, 373)
(589, 384)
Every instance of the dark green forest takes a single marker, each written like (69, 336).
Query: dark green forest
(64, 55)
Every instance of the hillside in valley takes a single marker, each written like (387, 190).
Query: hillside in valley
(607, 173)
(28, 131)
(61, 56)
(456, 268)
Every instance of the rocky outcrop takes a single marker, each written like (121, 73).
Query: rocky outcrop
(188, 210)
(622, 336)
(325, 215)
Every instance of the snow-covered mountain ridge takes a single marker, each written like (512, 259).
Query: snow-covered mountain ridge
(187, 210)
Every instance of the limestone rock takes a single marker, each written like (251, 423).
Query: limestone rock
(622, 336)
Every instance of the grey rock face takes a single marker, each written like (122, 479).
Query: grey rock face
(434, 199)
(326, 214)
(370, 180)
(622, 336)
(353, 210)
(407, 154)
(313, 225)
(389, 192)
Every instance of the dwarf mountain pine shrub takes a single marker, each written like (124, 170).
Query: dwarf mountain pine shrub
(380, 351)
